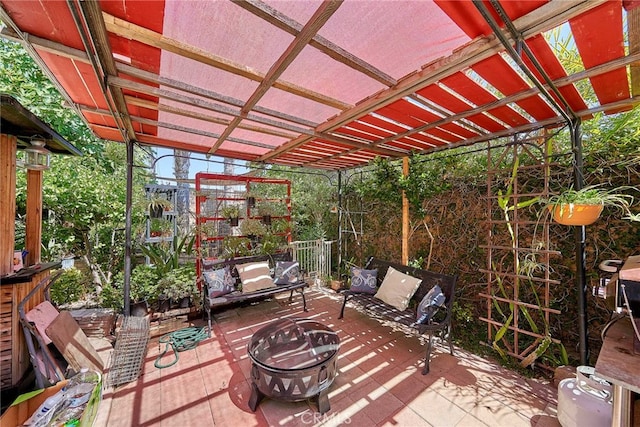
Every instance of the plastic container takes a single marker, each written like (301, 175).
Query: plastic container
(584, 401)
(45, 412)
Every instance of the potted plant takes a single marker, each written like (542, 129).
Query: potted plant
(250, 197)
(336, 282)
(157, 205)
(208, 229)
(179, 284)
(252, 228)
(266, 210)
(583, 207)
(143, 289)
(234, 246)
(232, 213)
(159, 227)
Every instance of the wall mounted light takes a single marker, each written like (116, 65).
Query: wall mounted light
(36, 157)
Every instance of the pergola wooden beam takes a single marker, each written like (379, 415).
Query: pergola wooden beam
(292, 27)
(544, 18)
(140, 34)
(317, 21)
(207, 94)
(104, 64)
(200, 116)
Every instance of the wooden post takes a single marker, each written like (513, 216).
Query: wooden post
(633, 25)
(405, 216)
(8, 149)
(34, 216)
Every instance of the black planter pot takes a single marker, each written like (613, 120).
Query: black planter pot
(155, 212)
(185, 302)
(139, 308)
(164, 304)
(233, 221)
(266, 219)
(251, 202)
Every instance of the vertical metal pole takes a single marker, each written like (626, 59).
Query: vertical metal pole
(339, 219)
(127, 230)
(580, 240)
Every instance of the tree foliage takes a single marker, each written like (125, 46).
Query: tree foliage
(83, 197)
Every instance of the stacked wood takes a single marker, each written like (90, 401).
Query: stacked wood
(96, 322)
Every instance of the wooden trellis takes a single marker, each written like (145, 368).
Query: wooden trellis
(518, 252)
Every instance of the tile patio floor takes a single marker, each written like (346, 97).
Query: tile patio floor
(378, 382)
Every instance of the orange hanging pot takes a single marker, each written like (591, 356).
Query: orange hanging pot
(575, 214)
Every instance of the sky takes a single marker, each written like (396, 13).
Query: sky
(198, 163)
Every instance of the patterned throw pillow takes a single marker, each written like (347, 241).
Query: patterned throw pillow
(363, 281)
(219, 282)
(287, 272)
(397, 288)
(432, 301)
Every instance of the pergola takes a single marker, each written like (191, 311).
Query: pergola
(325, 84)
(330, 84)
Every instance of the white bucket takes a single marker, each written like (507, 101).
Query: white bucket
(584, 401)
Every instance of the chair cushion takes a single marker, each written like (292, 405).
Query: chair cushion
(255, 276)
(397, 288)
(363, 281)
(219, 282)
(432, 301)
(287, 272)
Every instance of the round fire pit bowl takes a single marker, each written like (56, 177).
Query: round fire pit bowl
(293, 359)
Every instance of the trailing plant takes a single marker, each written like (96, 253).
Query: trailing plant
(270, 243)
(230, 211)
(252, 227)
(268, 208)
(159, 202)
(234, 246)
(594, 195)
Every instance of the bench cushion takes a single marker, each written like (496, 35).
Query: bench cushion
(397, 288)
(219, 282)
(432, 301)
(287, 272)
(255, 276)
(363, 281)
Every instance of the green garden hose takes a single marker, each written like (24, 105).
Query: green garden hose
(180, 340)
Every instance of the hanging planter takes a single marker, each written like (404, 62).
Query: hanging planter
(576, 214)
(231, 213)
(251, 201)
(584, 206)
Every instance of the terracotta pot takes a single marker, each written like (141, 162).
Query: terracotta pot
(336, 284)
(575, 214)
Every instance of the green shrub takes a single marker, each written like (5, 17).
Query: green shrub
(180, 283)
(70, 287)
(143, 287)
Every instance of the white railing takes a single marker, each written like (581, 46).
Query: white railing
(314, 257)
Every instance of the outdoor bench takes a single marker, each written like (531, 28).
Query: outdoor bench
(229, 288)
(437, 325)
